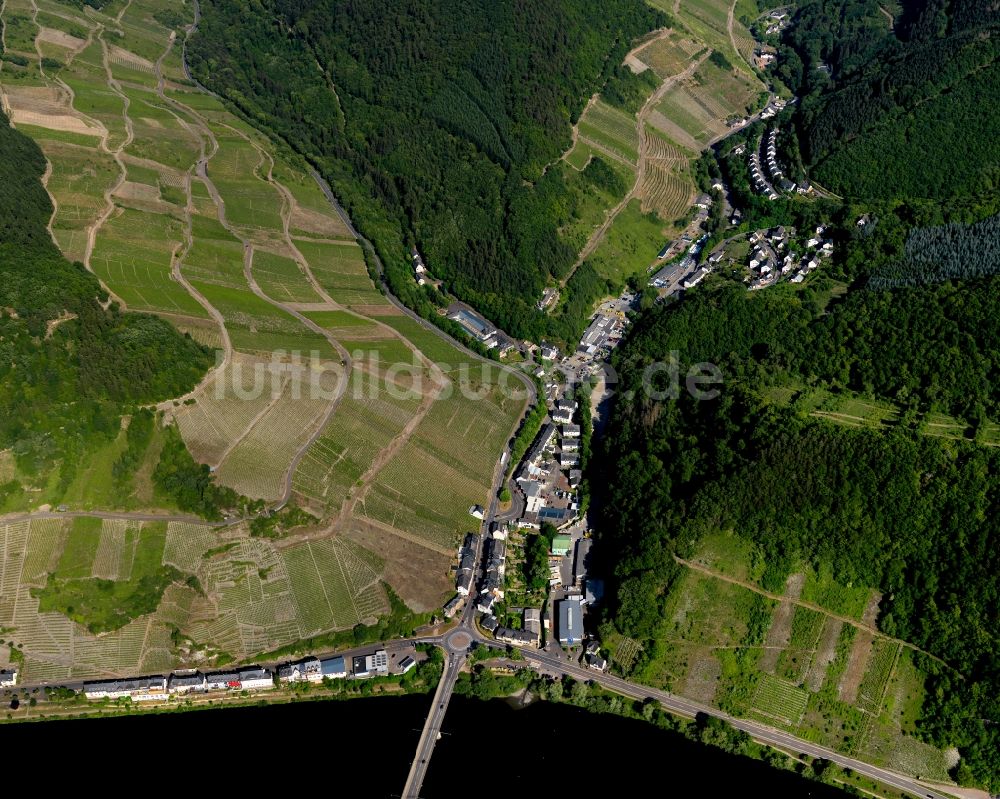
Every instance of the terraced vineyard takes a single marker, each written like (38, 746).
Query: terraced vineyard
(809, 664)
(704, 84)
(694, 111)
(667, 187)
(610, 131)
(778, 700)
(323, 393)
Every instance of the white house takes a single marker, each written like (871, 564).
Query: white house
(534, 501)
(307, 670)
(568, 459)
(8, 677)
(406, 664)
(256, 679)
(485, 603)
(562, 416)
(140, 689)
(186, 683)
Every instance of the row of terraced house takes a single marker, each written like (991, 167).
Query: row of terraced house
(252, 678)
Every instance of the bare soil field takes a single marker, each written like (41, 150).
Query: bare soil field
(635, 64)
(309, 221)
(825, 653)
(47, 107)
(59, 39)
(415, 572)
(137, 191)
(780, 631)
(861, 650)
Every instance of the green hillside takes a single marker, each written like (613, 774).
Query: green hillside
(71, 364)
(850, 446)
(434, 122)
(909, 111)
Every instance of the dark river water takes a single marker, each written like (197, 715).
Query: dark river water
(364, 746)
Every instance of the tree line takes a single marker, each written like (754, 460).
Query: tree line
(877, 100)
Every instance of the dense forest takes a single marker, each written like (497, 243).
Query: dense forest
(71, 363)
(942, 252)
(434, 124)
(878, 100)
(893, 508)
(932, 348)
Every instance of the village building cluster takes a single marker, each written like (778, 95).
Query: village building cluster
(570, 605)
(770, 178)
(771, 154)
(777, 21)
(601, 335)
(491, 587)
(686, 273)
(776, 255)
(760, 182)
(550, 474)
(158, 688)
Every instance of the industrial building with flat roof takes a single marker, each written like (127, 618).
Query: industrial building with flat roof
(570, 621)
(375, 664)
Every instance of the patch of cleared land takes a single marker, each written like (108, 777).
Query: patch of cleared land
(795, 667)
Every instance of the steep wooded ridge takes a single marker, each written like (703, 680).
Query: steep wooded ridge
(905, 507)
(851, 450)
(834, 447)
(931, 84)
(70, 362)
(433, 122)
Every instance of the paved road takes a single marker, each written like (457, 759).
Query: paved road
(759, 732)
(432, 727)
(558, 666)
(456, 644)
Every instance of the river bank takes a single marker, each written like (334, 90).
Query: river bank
(366, 744)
